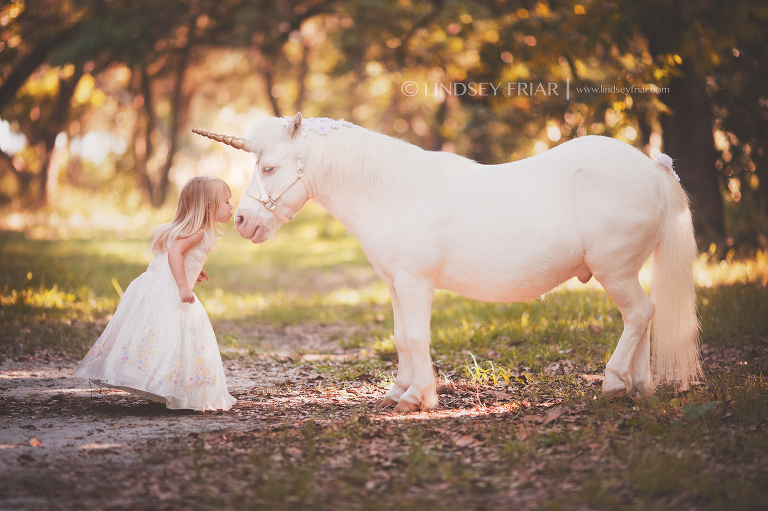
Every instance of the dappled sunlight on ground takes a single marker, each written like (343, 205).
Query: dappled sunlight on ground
(439, 413)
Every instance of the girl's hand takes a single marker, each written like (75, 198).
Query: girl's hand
(186, 294)
(203, 276)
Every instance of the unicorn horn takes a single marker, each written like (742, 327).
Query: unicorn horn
(237, 143)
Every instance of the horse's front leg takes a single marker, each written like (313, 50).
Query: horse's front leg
(416, 299)
(404, 365)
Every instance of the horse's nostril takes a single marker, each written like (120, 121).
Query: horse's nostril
(240, 219)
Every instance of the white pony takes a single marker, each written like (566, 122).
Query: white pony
(497, 233)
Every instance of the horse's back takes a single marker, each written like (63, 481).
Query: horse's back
(545, 219)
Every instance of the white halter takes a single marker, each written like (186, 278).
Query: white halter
(269, 201)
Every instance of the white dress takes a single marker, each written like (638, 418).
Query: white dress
(159, 348)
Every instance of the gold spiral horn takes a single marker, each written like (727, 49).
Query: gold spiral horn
(237, 143)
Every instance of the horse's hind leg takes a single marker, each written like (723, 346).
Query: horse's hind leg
(404, 365)
(642, 377)
(631, 359)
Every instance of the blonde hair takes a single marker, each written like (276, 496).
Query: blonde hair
(199, 200)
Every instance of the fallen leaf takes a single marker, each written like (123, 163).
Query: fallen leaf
(26, 458)
(552, 415)
(531, 418)
(464, 441)
(501, 396)
(34, 442)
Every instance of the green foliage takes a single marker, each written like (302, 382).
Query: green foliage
(492, 376)
(692, 411)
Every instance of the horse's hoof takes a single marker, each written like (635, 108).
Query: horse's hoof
(387, 401)
(613, 386)
(406, 407)
(642, 388)
(615, 390)
(639, 392)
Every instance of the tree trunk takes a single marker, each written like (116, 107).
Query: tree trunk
(301, 77)
(645, 130)
(269, 84)
(142, 137)
(161, 191)
(761, 164)
(688, 140)
(440, 117)
(58, 122)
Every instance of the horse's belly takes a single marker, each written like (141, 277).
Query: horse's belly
(526, 259)
(499, 287)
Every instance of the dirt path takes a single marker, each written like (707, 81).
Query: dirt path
(53, 423)
(46, 402)
(52, 405)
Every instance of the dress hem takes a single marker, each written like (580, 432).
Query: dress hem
(161, 399)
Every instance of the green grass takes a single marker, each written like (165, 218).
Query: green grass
(702, 449)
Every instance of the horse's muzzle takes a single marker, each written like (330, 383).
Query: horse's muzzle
(255, 232)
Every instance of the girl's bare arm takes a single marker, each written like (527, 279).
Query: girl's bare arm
(176, 262)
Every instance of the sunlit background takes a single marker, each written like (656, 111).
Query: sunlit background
(98, 99)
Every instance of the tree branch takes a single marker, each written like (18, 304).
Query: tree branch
(29, 63)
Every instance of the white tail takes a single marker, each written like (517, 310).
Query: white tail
(675, 327)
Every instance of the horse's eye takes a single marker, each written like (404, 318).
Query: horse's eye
(269, 170)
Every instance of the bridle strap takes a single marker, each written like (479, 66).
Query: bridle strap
(270, 202)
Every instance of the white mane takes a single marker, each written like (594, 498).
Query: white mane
(322, 125)
(367, 163)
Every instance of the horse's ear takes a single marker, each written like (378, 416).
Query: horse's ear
(293, 127)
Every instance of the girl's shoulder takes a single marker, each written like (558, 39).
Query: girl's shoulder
(187, 242)
(196, 238)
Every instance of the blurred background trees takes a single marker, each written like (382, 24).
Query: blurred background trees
(97, 97)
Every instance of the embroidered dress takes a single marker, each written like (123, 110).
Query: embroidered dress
(159, 348)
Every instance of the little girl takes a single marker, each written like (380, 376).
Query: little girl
(160, 344)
